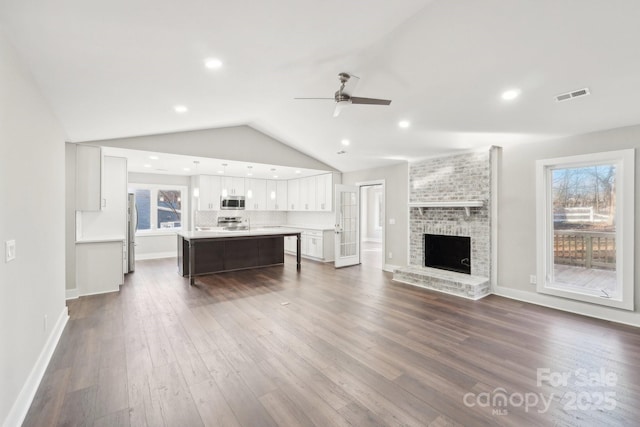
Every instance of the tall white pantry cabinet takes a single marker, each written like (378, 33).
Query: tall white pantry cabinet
(101, 221)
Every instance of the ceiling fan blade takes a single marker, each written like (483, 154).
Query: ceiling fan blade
(316, 98)
(372, 101)
(339, 106)
(350, 85)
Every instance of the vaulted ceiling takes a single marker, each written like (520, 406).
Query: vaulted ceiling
(117, 68)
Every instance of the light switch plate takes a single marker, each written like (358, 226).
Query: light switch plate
(10, 250)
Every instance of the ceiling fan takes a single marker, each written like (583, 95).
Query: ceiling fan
(343, 95)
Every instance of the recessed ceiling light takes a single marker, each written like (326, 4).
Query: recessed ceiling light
(154, 157)
(298, 171)
(345, 142)
(249, 174)
(510, 94)
(186, 169)
(220, 171)
(275, 176)
(180, 109)
(147, 165)
(404, 124)
(212, 63)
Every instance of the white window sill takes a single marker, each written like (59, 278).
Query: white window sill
(564, 292)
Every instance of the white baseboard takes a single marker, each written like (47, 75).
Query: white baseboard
(577, 307)
(72, 294)
(21, 406)
(156, 255)
(390, 267)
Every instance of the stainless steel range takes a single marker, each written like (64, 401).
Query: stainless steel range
(233, 223)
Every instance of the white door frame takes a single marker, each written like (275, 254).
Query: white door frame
(346, 260)
(384, 215)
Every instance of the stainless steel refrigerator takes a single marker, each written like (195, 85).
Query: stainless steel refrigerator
(132, 225)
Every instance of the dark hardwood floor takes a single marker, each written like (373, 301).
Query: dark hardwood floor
(326, 347)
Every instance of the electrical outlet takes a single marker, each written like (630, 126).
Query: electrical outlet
(10, 250)
(390, 255)
(532, 279)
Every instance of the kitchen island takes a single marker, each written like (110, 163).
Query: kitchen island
(207, 252)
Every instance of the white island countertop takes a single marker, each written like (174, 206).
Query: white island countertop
(252, 232)
(101, 239)
(314, 227)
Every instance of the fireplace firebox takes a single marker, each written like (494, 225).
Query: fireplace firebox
(452, 253)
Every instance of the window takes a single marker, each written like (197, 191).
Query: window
(159, 207)
(585, 228)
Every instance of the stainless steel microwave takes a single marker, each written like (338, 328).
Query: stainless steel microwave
(232, 202)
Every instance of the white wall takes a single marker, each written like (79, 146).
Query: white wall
(241, 143)
(517, 220)
(368, 207)
(32, 185)
(70, 217)
(396, 207)
(156, 178)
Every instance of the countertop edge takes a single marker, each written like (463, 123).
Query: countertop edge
(106, 239)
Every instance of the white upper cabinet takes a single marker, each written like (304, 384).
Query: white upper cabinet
(111, 221)
(293, 195)
(308, 193)
(276, 195)
(232, 186)
(209, 193)
(313, 193)
(281, 196)
(324, 192)
(255, 194)
(272, 195)
(89, 178)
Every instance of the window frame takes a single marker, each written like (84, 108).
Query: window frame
(154, 188)
(624, 161)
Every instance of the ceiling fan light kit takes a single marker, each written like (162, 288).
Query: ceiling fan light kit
(343, 96)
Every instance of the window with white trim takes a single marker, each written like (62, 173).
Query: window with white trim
(159, 207)
(585, 221)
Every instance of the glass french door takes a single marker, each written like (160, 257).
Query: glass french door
(347, 227)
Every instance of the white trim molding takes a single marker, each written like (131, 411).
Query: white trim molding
(72, 294)
(571, 306)
(624, 162)
(21, 406)
(390, 268)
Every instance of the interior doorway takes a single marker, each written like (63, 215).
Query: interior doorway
(372, 224)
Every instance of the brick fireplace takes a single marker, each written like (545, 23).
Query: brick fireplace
(451, 196)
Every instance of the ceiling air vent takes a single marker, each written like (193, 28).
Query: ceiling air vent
(572, 94)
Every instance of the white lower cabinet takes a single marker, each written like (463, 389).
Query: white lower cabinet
(315, 244)
(290, 244)
(99, 266)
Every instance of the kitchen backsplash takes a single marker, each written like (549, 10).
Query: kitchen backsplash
(311, 218)
(210, 218)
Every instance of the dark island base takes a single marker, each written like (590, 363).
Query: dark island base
(220, 255)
